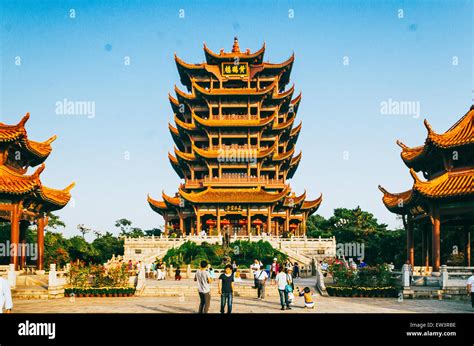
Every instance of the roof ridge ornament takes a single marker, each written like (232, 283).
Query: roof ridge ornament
(428, 126)
(235, 47)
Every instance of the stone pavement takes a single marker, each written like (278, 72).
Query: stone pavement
(241, 305)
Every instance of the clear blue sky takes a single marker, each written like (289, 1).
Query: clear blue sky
(82, 59)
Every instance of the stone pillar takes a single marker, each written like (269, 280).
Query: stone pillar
(188, 271)
(444, 277)
(410, 241)
(15, 234)
(436, 240)
(406, 276)
(467, 245)
(40, 240)
(12, 276)
(53, 276)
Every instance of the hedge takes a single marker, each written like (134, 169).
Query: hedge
(100, 292)
(358, 291)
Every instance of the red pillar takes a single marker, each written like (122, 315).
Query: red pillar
(467, 245)
(40, 235)
(425, 257)
(436, 240)
(15, 234)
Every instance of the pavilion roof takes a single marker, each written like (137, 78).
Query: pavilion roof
(460, 134)
(247, 56)
(13, 183)
(234, 195)
(312, 206)
(449, 184)
(36, 151)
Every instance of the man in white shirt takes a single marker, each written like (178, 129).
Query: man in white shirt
(261, 277)
(5, 296)
(470, 288)
(254, 268)
(282, 279)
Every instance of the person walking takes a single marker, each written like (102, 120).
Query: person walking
(5, 296)
(470, 288)
(296, 270)
(204, 288)
(282, 284)
(262, 277)
(226, 288)
(254, 268)
(274, 271)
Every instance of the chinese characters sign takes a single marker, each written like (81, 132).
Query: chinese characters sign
(230, 69)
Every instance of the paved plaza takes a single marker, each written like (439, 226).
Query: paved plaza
(189, 303)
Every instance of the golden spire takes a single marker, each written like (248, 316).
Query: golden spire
(235, 47)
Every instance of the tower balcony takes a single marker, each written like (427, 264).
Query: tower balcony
(234, 180)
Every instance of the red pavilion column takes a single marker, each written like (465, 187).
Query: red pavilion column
(467, 245)
(425, 258)
(436, 228)
(40, 235)
(15, 234)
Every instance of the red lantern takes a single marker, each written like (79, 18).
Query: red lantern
(257, 222)
(210, 222)
(242, 222)
(293, 226)
(225, 222)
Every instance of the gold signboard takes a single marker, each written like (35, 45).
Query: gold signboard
(230, 69)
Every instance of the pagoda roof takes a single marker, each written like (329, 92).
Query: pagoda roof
(37, 152)
(157, 206)
(293, 200)
(295, 161)
(184, 156)
(14, 183)
(460, 134)
(284, 156)
(449, 184)
(284, 125)
(175, 164)
(183, 125)
(312, 206)
(238, 122)
(53, 199)
(235, 195)
(252, 58)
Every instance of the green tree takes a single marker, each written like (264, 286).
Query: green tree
(126, 229)
(106, 246)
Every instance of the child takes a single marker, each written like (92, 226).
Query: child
(177, 274)
(308, 298)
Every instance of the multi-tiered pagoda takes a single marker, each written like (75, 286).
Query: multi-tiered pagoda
(446, 196)
(235, 148)
(24, 199)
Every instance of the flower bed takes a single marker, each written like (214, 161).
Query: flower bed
(100, 292)
(381, 292)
